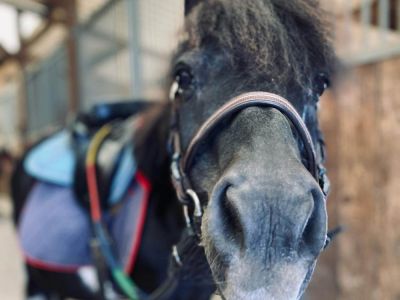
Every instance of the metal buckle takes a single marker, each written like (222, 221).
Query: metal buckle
(323, 179)
(186, 216)
(196, 201)
(173, 90)
(176, 256)
(175, 166)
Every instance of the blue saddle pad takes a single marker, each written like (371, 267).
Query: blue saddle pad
(53, 160)
(55, 231)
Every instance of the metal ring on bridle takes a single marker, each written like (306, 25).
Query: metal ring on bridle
(176, 256)
(173, 90)
(186, 216)
(196, 201)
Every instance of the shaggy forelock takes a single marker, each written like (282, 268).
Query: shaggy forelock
(285, 42)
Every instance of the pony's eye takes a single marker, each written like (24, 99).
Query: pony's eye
(184, 79)
(321, 83)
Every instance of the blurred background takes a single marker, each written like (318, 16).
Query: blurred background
(61, 56)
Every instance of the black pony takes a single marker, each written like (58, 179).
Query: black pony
(255, 215)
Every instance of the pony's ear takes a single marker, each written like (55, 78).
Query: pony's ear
(189, 4)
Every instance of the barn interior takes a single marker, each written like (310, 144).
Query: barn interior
(59, 57)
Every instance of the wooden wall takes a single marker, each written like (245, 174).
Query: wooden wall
(361, 121)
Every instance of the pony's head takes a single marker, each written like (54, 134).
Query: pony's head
(264, 221)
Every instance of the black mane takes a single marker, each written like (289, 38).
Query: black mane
(277, 41)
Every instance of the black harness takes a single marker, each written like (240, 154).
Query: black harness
(182, 161)
(189, 249)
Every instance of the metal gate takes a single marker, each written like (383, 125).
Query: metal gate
(125, 48)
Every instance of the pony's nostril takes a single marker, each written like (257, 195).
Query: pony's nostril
(314, 234)
(308, 234)
(232, 221)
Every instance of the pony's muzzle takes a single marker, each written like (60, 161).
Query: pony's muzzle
(268, 217)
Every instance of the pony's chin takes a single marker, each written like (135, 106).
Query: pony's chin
(259, 294)
(283, 281)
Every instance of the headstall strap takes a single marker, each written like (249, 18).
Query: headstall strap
(185, 193)
(323, 177)
(323, 180)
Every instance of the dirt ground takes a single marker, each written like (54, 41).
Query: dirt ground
(11, 271)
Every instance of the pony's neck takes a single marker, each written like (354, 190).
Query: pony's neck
(151, 141)
(164, 222)
(153, 158)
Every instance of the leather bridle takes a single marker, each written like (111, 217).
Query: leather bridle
(188, 249)
(183, 160)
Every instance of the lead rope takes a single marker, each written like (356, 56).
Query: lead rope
(101, 243)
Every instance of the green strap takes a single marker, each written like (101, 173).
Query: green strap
(125, 284)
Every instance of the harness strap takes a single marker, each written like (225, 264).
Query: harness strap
(102, 240)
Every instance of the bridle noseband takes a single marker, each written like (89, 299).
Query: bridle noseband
(182, 161)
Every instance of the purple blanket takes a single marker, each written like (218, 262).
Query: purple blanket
(55, 231)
